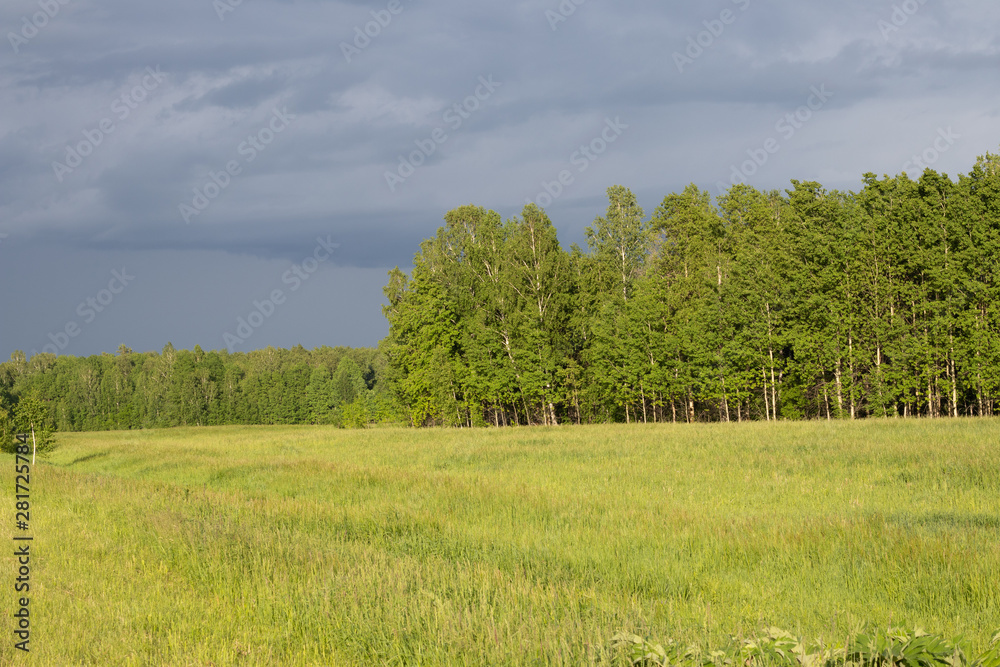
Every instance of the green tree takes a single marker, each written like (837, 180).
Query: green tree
(30, 416)
(619, 244)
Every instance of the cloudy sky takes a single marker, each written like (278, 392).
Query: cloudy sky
(168, 168)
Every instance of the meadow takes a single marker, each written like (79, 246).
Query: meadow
(313, 545)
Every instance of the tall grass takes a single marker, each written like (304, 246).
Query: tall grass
(307, 545)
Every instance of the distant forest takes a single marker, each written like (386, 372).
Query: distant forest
(181, 387)
(808, 304)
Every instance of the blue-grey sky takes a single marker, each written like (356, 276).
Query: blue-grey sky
(169, 168)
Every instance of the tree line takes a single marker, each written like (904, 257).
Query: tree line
(126, 390)
(759, 305)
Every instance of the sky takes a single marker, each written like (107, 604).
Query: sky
(243, 173)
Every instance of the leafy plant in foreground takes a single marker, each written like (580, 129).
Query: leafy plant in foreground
(894, 647)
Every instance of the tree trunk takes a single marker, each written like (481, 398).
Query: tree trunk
(840, 391)
(642, 392)
(774, 395)
(770, 350)
(767, 407)
(850, 367)
(878, 378)
(725, 399)
(930, 400)
(954, 383)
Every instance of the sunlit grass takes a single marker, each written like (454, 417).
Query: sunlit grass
(309, 545)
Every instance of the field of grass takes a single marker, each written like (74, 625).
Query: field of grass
(310, 545)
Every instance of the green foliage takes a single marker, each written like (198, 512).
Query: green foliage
(991, 657)
(348, 383)
(895, 647)
(7, 429)
(764, 305)
(478, 335)
(131, 390)
(900, 647)
(30, 416)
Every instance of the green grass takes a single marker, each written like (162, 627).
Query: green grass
(309, 545)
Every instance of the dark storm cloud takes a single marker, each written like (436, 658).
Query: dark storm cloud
(355, 104)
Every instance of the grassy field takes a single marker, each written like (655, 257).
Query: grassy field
(308, 545)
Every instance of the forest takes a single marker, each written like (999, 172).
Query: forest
(172, 387)
(759, 305)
